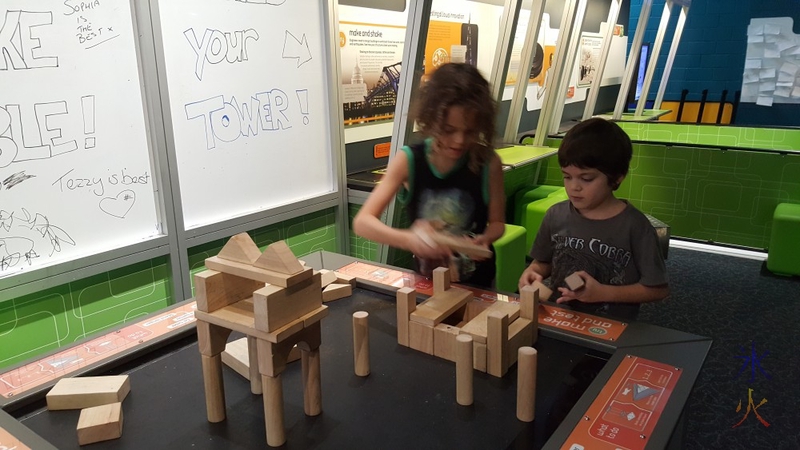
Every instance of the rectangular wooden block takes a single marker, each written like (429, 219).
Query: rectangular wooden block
(444, 341)
(275, 306)
(462, 245)
(257, 273)
(335, 291)
(435, 309)
(441, 280)
(214, 290)
(479, 356)
(406, 304)
(477, 326)
(100, 423)
(420, 337)
(544, 292)
(85, 392)
(496, 343)
(520, 334)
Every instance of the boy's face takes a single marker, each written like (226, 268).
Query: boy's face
(588, 189)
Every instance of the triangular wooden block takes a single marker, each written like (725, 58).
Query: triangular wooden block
(240, 248)
(278, 257)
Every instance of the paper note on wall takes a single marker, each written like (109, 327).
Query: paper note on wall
(772, 62)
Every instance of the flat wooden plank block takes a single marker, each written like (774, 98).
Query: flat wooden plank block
(236, 357)
(85, 392)
(477, 326)
(257, 273)
(335, 291)
(438, 307)
(444, 341)
(420, 337)
(462, 245)
(100, 423)
(275, 306)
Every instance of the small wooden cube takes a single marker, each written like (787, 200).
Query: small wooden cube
(574, 282)
(100, 423)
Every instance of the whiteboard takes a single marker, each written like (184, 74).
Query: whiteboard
(248, 99)
(76, 177)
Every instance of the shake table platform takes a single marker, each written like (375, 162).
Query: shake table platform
(407, 400)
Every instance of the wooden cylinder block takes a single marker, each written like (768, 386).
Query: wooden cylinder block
(273, 410)
(464, 374)
(526, 383)
(312, 382)
(214, 389)
(361, 343)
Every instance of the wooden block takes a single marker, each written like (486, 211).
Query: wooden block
(361, 343)
(343, 278)
(275, 306)
(257, 273)
(294, 327)
(441, 280)
(335, 291)
(462, 245)
(237, 357)
(477, 327)
(85, 392)
(496, 340)
(574, 282)
(278, 257)
(328, 277)
(240, 248)
(479, 355)
(420, 337)
(544, 291)
(528, 302)
(464, 375)
(406, 304)
(444, 341)
(437, 308)
(214, 290)
(526, 384)
(100, 423)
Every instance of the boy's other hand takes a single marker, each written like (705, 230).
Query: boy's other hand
(589, 293)
(528, 277)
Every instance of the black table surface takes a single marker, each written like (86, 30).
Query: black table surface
(407, 401)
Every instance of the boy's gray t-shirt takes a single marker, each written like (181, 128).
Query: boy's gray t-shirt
(618, 251)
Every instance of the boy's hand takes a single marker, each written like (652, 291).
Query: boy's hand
(528, 277)
(589, 293)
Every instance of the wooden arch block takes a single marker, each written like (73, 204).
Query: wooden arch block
(278, 257)
(240, 248)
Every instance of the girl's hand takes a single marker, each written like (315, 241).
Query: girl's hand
(589, 293)
(422, 244)
(479, 240)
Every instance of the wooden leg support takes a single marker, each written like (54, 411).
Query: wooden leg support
(526, 384)
(255, 376)
(214, 389)
(312, 383)
(464, 369)
(273, 410)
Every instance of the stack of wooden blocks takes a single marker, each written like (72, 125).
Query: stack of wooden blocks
(278, 304)
(498, 329)
(100, 401)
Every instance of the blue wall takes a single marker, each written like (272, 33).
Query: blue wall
(712, 52)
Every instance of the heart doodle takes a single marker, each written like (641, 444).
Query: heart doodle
(120, 205)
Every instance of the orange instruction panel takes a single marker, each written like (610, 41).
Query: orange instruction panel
(8, 441)
(625, 413)
(549, 314)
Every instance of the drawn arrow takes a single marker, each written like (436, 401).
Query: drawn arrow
(296, 48)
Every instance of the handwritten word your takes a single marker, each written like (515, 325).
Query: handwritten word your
(217, 46)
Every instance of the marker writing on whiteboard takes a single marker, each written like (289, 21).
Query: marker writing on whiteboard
(302, 97)
(87, 102)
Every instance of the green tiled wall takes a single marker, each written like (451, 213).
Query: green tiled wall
(725, 136)
(44, 321)
(360, 247)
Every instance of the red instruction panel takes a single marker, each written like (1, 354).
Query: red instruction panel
(625, 413)
(65, 362)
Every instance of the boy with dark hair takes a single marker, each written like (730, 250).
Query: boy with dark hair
(608, 242)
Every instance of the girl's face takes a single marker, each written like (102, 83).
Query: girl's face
(457, 134)
(588, 189)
